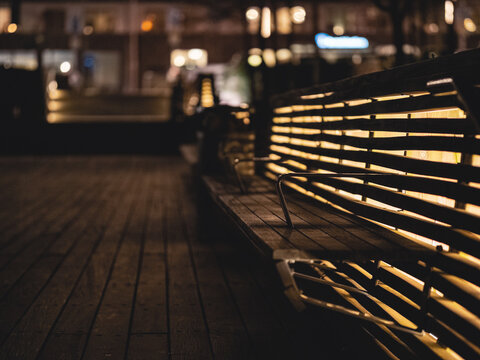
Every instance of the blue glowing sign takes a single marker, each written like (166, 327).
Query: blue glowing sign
(325, 41)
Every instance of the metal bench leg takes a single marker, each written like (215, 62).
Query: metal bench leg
(298, 298)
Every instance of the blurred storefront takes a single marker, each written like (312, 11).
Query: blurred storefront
(115, 46)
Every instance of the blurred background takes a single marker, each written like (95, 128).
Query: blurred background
(159, 62)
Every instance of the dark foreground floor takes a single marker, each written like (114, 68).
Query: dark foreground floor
(104, 258)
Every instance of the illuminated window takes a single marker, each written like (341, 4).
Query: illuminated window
(284, 23)
(100, 22)
(4, 18)
(19, 59)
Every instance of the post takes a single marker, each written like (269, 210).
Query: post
(132, 64)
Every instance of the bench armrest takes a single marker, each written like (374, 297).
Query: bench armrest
(237, 161)
(310, 175)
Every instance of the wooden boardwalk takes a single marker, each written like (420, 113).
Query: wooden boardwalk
(104, 257)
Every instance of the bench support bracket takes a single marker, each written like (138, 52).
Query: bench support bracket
(297, 296)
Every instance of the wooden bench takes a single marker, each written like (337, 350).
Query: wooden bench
(382, 218)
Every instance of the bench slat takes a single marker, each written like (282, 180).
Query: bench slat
(458, 172)
(455, 238)
(453, 190)
(435, 143)
(420, 125)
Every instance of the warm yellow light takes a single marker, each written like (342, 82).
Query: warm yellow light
(284, 22)
(252, 14)
(52, 118)
(284, 55)
(11, 28)
(357, 59)
(65, 67)
(88, 30)
(269, 57)
(195, 54)
(54, 105)
(254, 60)
(469, 25)
(431, 28)
(338, 30)
(449, 12)
(147, 25)
(266, 29)
(52, 86)
(179, 60)
(298, 14)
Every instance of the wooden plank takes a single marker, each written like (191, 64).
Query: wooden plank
(63, 346)
(34, 326)
(347, 227)
(296, 238)
(428, 143)
(268, 336)
(459, 172)
(18, 237)
(262, 234)
(406, 105)
(189, 336)
(458, 191)
(456, 317)
(227, 333)
(413, 77)
(458, 289)
(458, 239)
(420, 125)
(110, 329)
(79, 312)
(22, 203)
(315, 224)
(453, 339)
(148, 347)
(150, 309)
(25, 290)
(455, 217)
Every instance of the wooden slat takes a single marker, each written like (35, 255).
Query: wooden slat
(459, 290)
(419, 125)
(455, 217)
(454, 339)
(344, 225)
(403, 79)
(456, 317)
(453, 190)
(407, 105)
(434, 143)
(34, 326)
(458, 172)
(455, 238)
(109, 333)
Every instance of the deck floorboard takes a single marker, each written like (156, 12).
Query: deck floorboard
(111, 257)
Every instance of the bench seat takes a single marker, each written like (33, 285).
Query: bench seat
(320, 232)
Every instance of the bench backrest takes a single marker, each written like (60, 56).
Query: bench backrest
(419, 122)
